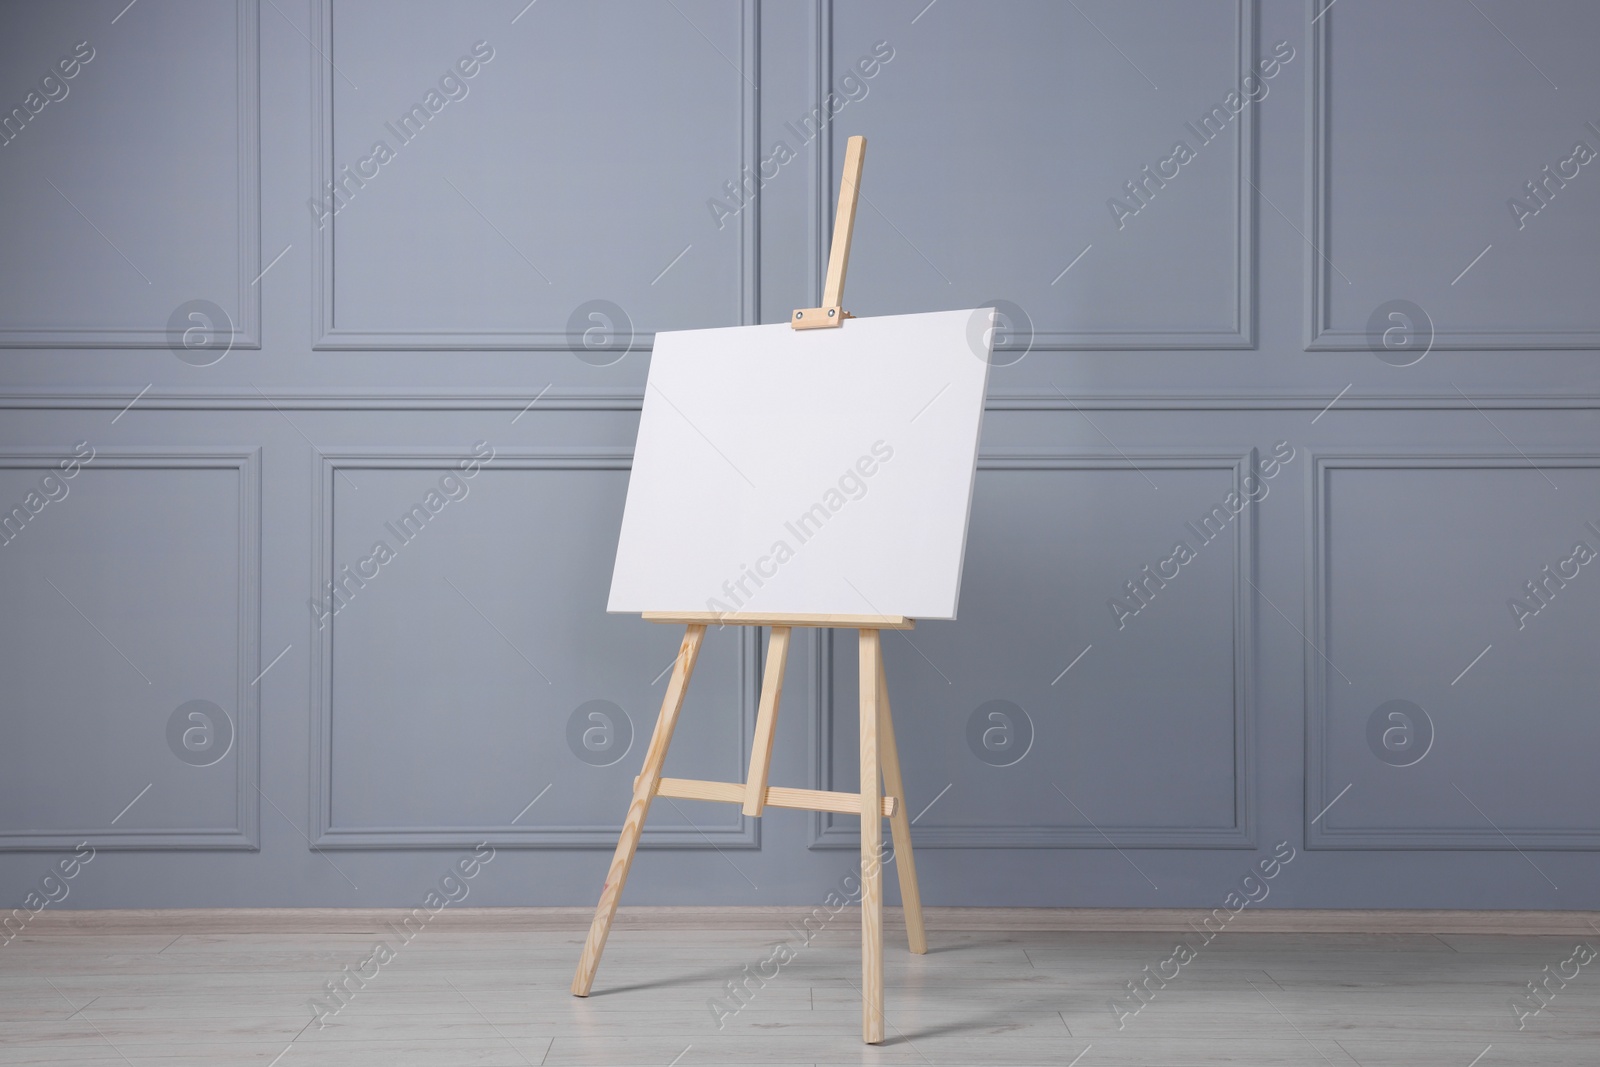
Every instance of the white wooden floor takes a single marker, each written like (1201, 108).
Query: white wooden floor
(181, 988)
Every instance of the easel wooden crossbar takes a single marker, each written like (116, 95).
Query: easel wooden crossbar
(878, 798)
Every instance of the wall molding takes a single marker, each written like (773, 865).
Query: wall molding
(1319, 788)
(739, 832)
(1319, 334)
(1242, 335)
(327, 336)
(245, 833)
(247, 331)
(688, 919)
(828, 832)
(629, 398)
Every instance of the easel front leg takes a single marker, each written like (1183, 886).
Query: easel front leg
(644, 791)
(900, 821)
(871, 844)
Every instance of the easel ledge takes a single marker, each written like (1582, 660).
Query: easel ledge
(746, 618)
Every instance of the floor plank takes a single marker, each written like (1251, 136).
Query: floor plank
(703, 992)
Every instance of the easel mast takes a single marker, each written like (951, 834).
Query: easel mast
(877, 799)
(832, 312)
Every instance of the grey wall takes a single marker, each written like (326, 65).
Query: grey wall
(1157, 353)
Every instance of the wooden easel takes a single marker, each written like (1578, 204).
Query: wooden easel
(875, 800)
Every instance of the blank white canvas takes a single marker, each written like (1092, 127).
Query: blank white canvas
(806, 471)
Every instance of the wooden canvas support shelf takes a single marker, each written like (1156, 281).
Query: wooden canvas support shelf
(882, 790)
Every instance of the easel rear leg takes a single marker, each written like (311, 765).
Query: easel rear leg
(900, 821)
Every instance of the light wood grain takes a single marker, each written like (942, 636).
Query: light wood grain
(844, 222)
(743, 618)
(905, 863)
(117, 989)
(871, 805)
(819, 318)
(831, 314)
(776, 796)
(871, 845)
(633, 824)
(755, 797)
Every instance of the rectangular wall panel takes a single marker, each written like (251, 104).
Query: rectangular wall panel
(135, 179)
(1451, 706)
(454, 194)
(1430, 203)
(471, 687)
(122, 733)
(968, 199)
(1035, 720)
